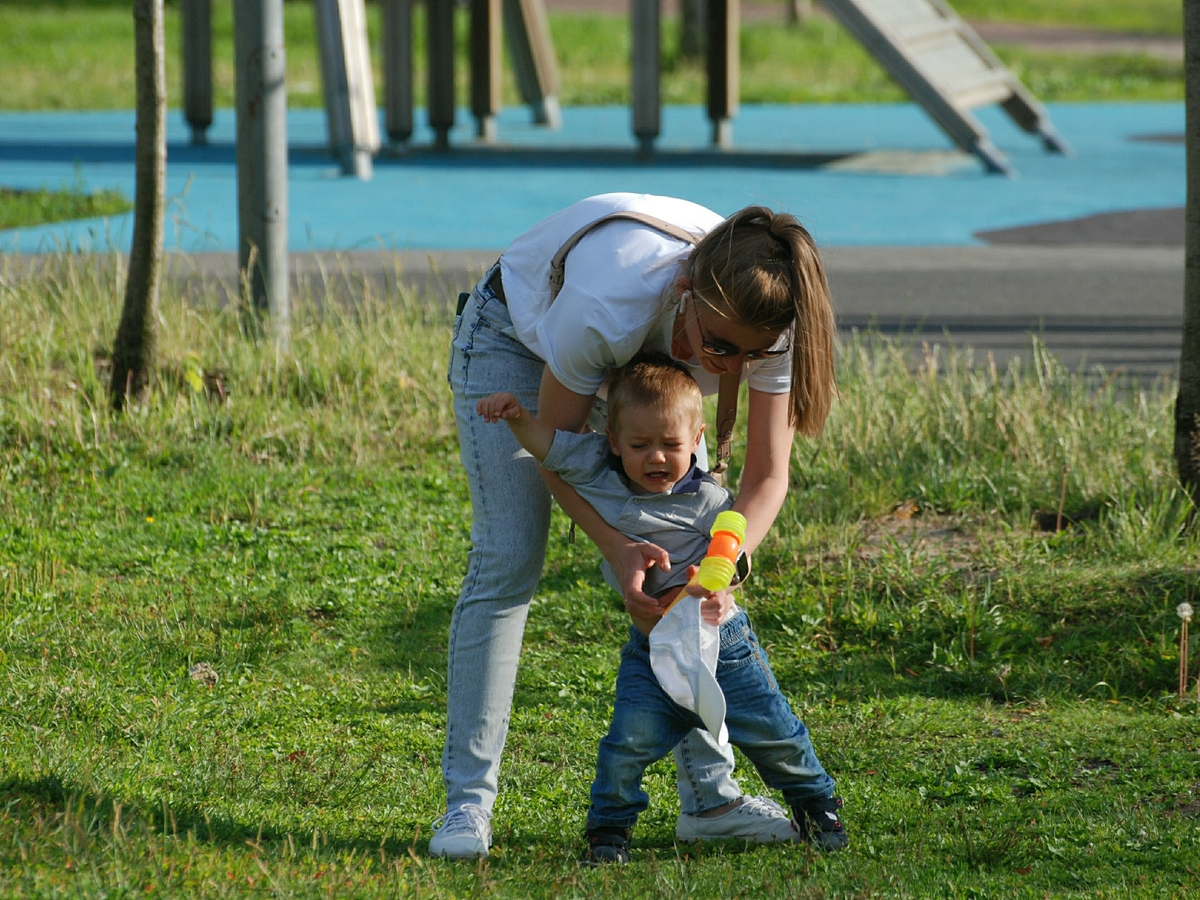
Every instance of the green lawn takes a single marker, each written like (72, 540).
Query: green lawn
(996, 702)
(1134, 16)
(70, 55)
(35, 207)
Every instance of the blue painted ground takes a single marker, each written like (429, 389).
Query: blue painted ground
(855, 174)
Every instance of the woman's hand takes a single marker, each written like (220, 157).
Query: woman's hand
(630, 562)
(716, 605)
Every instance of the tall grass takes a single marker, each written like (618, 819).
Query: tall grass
(362, 381)
(367, 380)
(961, 435)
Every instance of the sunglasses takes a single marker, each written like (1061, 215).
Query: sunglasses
(721, 348)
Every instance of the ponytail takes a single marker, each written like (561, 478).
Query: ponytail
(764, 269)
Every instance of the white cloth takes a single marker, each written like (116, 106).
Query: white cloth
(618, 294)
(683, 655)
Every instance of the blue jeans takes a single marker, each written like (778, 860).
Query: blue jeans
(511, 520)
(647, 724)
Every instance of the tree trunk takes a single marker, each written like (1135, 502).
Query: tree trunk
(1187, 404)
(133, 349)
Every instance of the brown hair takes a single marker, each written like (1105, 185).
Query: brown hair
(762, 268)
(655, 380)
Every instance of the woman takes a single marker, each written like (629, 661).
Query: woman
(749, 298)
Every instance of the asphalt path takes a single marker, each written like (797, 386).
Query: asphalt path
(1100, 308)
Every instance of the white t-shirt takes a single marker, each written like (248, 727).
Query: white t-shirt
(618, 294)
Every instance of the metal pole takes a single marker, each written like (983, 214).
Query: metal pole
(196, 26)
(439, 48)
(647, 44)
(486, 71)
(398, 69)
(693, 28)
(723, 69)
(262, 159)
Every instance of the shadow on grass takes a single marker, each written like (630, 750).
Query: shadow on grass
(52, 804)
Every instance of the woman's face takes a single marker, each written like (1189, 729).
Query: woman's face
(723, 343)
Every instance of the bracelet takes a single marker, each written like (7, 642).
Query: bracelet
(741, 568)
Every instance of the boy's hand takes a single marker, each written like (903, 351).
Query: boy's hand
(501, 405)
(630, 566)
(715, 606)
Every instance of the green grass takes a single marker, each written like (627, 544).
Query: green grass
(23, 208)
(1134, 16)
(67, 55)
(997, 703)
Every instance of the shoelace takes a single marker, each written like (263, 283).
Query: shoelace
(763, 806)
(467, 819)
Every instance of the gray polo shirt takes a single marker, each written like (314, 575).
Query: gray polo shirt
(678, 521)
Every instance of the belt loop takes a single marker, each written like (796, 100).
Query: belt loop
(496, 285)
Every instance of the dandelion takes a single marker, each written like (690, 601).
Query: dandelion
(1184, 611)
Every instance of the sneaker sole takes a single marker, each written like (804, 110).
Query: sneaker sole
(746, 838)
(458, 851)
(831, 845)
(792, 836)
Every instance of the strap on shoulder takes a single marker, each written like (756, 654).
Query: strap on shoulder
(727, 394)
(727, 400)
(558, 265)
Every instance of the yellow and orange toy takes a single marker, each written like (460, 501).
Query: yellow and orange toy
(720, 562)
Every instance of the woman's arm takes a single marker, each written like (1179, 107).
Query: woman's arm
(765, 473)
(564, 410)
(764, 484)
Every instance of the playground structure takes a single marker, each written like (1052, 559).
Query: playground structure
(947, 68)
(923, 44)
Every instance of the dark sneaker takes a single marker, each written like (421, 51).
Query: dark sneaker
(820, 823)
(607, 845)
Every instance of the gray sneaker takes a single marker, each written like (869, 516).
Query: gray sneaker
(462, 833)
(755, 819)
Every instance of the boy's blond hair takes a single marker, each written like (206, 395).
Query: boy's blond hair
(654, 380)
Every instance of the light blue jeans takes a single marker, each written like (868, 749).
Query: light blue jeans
(646, 723)
(511, 521)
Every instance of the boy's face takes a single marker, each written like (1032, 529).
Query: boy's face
(655, 446)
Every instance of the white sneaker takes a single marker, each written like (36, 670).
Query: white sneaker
(462, 833)
(754, 819)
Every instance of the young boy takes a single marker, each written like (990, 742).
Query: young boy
(641, 477)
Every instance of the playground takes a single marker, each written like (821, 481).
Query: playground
(855, 175)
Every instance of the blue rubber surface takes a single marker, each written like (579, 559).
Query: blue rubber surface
(855, 174)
